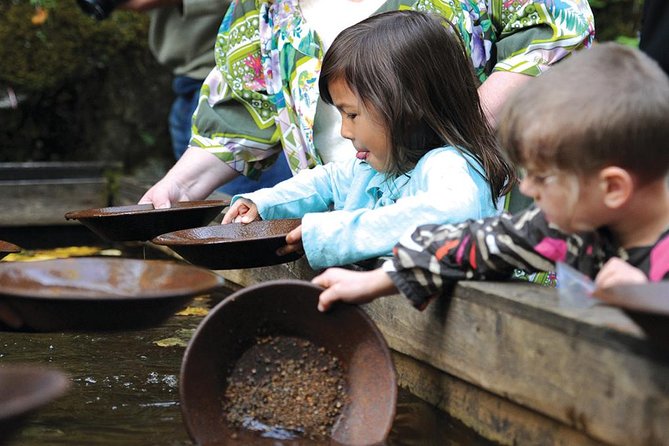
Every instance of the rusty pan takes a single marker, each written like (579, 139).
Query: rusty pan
(233, 245)
(141, 222)
(7, 248)
(646, 304)
(97, 293)
(287, 307)
(23, 389)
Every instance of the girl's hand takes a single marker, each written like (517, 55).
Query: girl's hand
(242, 211)
(618, 272)
(293, 242)
(164, 193)
(355, 287)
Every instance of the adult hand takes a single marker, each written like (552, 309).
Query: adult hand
(242, 211)
(618, 272)
(164, 193)
(356, 287)
(293, 242)
(196, 175)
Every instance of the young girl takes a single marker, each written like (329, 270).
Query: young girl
(425, 153)
(592, 135)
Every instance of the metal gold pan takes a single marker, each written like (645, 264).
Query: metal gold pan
(142, 222)
(233, 245)
(287, 308)
(97, 293)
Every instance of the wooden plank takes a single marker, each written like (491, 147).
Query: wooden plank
(569, 365)
(46, 202)
(489, 415)
(50, 170)
(298, 269)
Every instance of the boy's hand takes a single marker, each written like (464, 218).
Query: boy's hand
(242, 211)
(293, 242)
(618, 272)
(356, 287)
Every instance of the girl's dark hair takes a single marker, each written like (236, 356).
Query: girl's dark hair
(412, 69)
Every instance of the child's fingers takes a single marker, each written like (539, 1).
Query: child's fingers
(321, 280)
(289, 248)
(250, 215)
(328, 296)
(326, 299)
(231, 214)
(618, 272)
(294, 236)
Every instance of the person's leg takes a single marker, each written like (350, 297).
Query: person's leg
(180, 121)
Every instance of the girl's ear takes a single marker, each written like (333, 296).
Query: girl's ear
(617, 186)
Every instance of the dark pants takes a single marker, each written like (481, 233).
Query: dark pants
(655, 31)
(187, 91)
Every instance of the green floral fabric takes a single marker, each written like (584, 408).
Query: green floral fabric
(261, 97)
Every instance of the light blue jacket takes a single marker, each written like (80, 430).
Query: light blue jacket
(350, 212)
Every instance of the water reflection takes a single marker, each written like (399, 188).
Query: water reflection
(125, 389)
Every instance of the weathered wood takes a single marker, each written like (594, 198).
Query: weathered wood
(298, 269)
(40, 193)
(570, 365)
(46, 202)
(588, 369)
(489, 415)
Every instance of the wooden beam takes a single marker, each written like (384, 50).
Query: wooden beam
(489, 415)
(590, 369)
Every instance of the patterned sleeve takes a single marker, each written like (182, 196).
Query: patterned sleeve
(234, 119)
(532, 35)
(430, 261)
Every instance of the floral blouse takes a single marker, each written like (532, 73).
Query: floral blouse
(431, 261)
(261, 97)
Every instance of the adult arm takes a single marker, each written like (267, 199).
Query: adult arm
(196, 175)
(235, 117)
(226, 139)
(496, 90)
(531, 37)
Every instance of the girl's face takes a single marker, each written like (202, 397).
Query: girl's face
(567, 201)
(362, 126)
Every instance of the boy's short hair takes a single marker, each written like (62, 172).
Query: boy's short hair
(604, 106)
